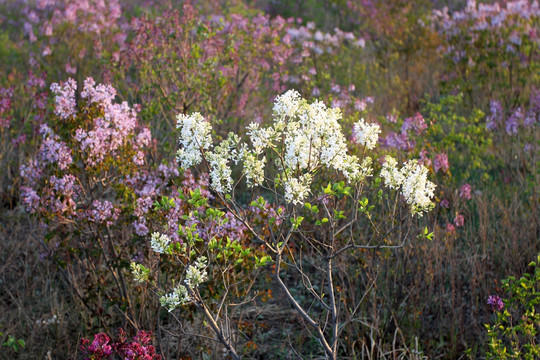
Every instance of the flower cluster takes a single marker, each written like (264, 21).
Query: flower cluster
(114, 129)
(194, 137)
(490, 18)
(311, 139)
(465, 192)
(413, 182)
(195, 275)
(441, 163)
(52, 184)
(65, 105)
(160, 242)
(495, 302)
(178, 297)
(366, 134)
(99, 348)
(103, 348)
(139, 272)
(6, 99)
(403, 140)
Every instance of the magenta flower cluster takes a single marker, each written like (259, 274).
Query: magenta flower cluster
(495, 302)
(103, 348)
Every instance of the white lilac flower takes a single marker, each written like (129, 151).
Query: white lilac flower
(412, 179)
(178, 297)
(140, 273)
(196, 274)
(416, 188)
(260, 138)
(391, 174)
(253, 168)
(296, 190)
(286, 104)
(355, 171)
(367, 134)
(160, 242)
(220, 171)
(194, 137)
(314, 138)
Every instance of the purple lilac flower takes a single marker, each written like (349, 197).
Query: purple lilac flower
(415, 122)
(140, 228)
(512, 123)
(496, 115)
(398, 141)
(445, 203)
(495, 302)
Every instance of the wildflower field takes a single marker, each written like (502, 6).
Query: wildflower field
(269, 179)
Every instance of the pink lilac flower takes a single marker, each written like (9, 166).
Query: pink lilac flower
(424, 159)
(465, 192)
(360, 105)
(114, 129)
(450, 228)
(392, 118)
(459, 220)
(65, 98)
(496, 302)
(441, 163)
(6, 97)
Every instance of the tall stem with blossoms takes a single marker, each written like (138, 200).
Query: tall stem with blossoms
(325, 198)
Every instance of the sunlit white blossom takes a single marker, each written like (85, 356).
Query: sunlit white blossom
(159, 242)
(140, 273)
(390, 173)
(261, 138)
(296, 190)
(287, 104)
(366, 134)
(253, 168)
(196, 273)
(416, 188)
(194, 137)
(178, 297)
(220, 171)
